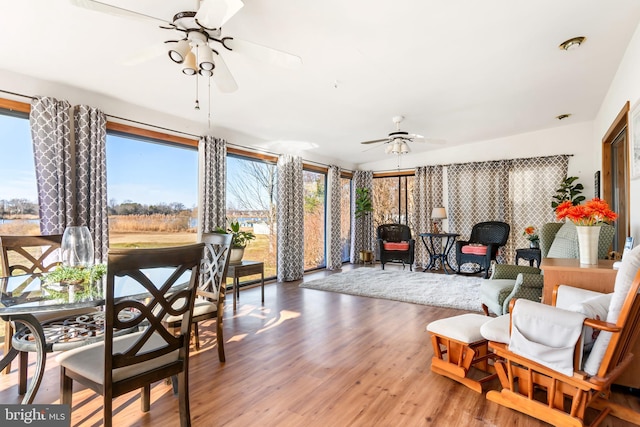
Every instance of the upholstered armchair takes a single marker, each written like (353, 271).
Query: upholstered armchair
(483, 244)
(560, 240)
(395, 244)
(508, 282)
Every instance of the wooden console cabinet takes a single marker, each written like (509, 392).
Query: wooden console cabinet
(600, 278)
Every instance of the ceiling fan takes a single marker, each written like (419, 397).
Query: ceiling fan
(397, 141)
(201, 39)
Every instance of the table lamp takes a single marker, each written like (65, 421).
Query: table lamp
(437, 215)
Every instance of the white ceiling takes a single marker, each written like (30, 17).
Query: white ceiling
(461, 71)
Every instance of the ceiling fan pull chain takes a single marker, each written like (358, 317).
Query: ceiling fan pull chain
(209, 113)
(197, 107)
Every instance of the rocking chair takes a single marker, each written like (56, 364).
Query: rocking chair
(541, 370)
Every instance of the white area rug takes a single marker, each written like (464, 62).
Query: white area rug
(439, 290)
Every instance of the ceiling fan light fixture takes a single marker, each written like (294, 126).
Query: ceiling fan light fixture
(178, 50)
(404, 148)
(388, 149)
(205, 57)
(190, 67)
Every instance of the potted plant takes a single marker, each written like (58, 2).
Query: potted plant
(364, 207)
(568, 191)
(239, 241)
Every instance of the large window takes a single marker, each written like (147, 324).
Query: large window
(18, 191)
(314, 219)
(391, 200)
(251, 200)
(152, 189)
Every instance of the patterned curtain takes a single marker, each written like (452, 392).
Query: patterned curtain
(517, 192)
(532, 184)
(90, 127)
(212, 175)
(362, 229)
(334, 246)
(477, 192)
(51, 135)
(427, 194)
(290, 218)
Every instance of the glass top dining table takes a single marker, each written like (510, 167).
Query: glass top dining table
(28, 299)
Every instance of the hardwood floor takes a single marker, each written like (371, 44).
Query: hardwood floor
(308, 358)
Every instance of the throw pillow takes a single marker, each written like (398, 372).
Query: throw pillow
(594, 308)
(474, 249)
(565, 244)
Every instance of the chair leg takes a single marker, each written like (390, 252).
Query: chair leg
(183, 399)
(66, 389)
(145, 398)
(196, 336)
(220, 338)
(23, 367)
(485, 309)
(107, 407)
(8, 333)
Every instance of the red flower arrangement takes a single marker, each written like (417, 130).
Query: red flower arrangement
(594, 212)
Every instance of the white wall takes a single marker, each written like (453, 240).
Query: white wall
(567, 139)
(624, 87)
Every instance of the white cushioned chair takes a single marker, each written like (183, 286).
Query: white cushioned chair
(540, 350)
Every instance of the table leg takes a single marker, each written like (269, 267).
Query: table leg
(262, 284)
(445, 254)
(234, 290)
(36, 329)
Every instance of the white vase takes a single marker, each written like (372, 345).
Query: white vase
(77, 247)
(588, 237)
(235, 256)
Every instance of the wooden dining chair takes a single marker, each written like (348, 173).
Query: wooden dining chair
(120, 364)
(211, 288)
(26, 255)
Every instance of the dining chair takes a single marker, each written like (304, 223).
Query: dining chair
(121, 364)
(26, 255)
(210, 295)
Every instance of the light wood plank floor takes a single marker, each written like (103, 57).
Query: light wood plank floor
(308, 358)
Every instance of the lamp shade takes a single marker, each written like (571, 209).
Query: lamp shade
(438, 213)
(190, 67)
(178, 50)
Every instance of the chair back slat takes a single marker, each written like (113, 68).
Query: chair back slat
(29, 254)
(215, 262)
(156, 271)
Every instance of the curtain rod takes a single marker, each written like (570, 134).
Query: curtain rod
(253, 149)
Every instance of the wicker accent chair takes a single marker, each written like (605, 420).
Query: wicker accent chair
(483, 244)
(395, 244)
(560, 240)
(120, 364)
(556, 362)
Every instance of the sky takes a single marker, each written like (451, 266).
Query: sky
(143, 172)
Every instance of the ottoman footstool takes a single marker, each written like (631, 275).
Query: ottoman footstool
(458, 346)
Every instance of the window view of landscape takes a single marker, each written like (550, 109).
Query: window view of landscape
(314, 226)
(345, 217)
(392, 201)
(152, 190)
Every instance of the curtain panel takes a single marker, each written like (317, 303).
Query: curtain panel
(334, 244)
(212, 176)
(51, 135)
(362, 233)
(517, 192)
(427, 194)
(90, 130)
(290, 218)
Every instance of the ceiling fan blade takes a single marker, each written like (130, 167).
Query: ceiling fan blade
(415, 136)
(263, 53)
(431, 141)
(215, 13)
(115, 10)
(375, 140)
(382, 142)
(150, 52)
(222, 76)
